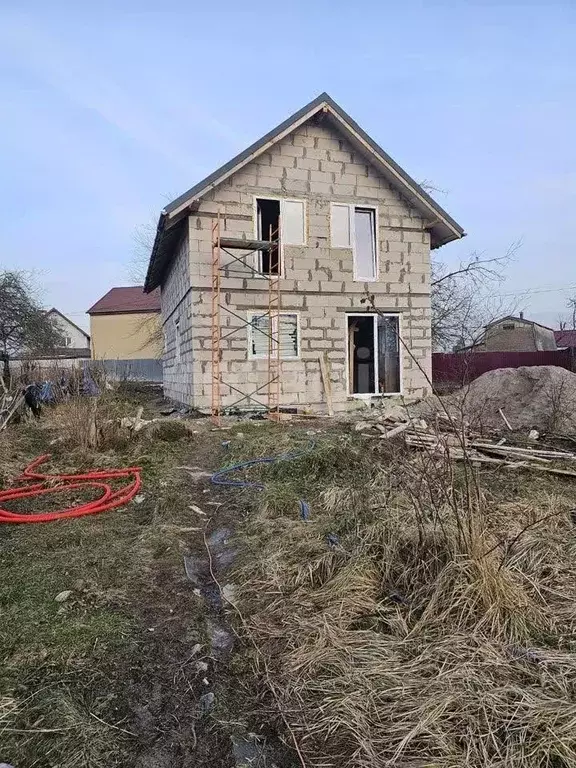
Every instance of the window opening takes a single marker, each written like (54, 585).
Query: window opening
(268, 212)
(365, 243)
(373, 354)
(259, 335)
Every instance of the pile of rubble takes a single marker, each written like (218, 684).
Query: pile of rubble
(457, 441)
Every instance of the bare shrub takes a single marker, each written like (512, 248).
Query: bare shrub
(90, 423)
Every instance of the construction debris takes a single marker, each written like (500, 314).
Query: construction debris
(456, 441)
(9, 405)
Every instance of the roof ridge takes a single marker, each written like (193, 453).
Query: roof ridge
(443, 227)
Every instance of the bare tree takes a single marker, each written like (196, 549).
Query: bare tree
(571, 304)
(463, 301)
(24, 325)
(144, 235)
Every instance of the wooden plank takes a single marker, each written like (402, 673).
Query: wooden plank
(396, 431)
(325, 373)
(246, 245)
(501, 412)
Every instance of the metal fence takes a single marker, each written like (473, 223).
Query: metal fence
(131, 370)
(452, 370)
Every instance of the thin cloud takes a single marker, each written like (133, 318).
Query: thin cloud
(85, 83)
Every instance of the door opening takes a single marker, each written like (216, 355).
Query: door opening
(268, 212)
(373, 354)
(361, 354)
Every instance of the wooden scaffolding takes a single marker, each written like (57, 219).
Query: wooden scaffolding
(224, 261)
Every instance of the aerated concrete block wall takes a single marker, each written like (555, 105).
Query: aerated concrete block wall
(315, 164)
(178, 375)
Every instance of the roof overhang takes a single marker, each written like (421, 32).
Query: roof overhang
(442, 227)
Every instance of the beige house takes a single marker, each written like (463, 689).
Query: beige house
(125, 325)
(516, 334)
(274, 255)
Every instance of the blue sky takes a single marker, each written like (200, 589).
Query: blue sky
(108, 113)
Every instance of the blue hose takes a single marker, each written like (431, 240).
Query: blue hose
(220, 477)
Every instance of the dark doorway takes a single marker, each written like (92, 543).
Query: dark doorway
(361, 354)
(268, 212)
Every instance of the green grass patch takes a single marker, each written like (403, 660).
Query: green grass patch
(86, 618)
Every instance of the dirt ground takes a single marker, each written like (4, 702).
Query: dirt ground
(147, 663)
(118, 673)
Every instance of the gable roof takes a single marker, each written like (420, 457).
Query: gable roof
(128, 299)
(517, 319)
(443, 227)
(55, 311)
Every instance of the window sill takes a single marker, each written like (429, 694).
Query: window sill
(366, 395)
(282, 359)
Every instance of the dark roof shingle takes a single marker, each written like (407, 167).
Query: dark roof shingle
(128, 299)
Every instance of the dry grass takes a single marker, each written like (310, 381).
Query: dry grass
(440, 630)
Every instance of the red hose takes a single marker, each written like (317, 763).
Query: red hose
(58, 483)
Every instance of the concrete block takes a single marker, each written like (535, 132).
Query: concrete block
(340, 156)
(355, 169)
(309, 163)
(320, 176)
(331, 166)
(297, 173)
(320, 188)
(328, 143)
(269, 182)
(365, 192)
(289, 150)
(301, 140)
(317, 154)
(296, 186)
(264, 159)
(342, 192)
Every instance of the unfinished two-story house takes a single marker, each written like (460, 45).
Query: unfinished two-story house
(298, 274)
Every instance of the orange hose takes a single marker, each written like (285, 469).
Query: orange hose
(58, 483)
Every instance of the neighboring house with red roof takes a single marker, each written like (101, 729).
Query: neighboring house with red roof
(125, 325)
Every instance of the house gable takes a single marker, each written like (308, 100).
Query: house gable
(77, 337)
(322, 111)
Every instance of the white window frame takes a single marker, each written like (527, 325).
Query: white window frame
(250, 329)
(258, 255)
(353, 236)
(177, 341)
(352, 207)
(367, 395)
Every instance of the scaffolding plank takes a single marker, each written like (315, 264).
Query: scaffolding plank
(246, 245)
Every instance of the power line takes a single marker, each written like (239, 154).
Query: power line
(532, 291)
